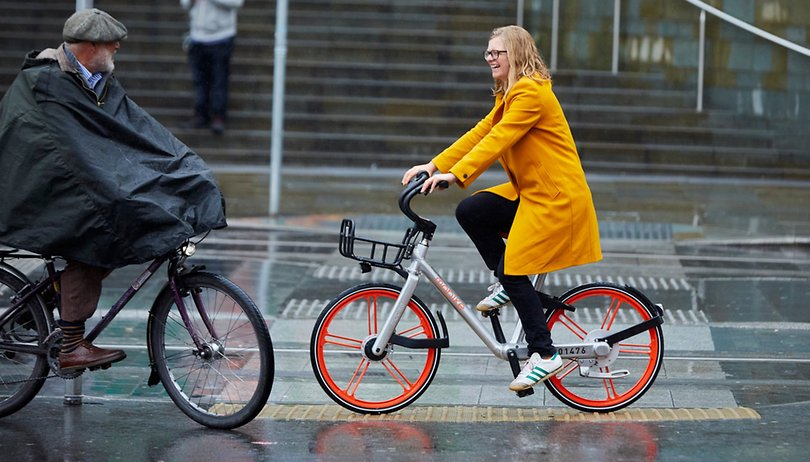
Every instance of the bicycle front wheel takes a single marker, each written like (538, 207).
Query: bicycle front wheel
(220, 371)
(347, 369)
(629, 371)
(23, 359)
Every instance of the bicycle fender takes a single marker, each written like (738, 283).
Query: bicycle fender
(154, 378)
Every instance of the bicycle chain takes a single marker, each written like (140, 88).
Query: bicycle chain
(32, 379)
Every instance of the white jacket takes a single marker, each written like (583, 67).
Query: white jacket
(212, 20)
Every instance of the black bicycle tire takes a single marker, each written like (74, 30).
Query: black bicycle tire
(39, 372)
(156, 339)
(314, 349)
(658, 333)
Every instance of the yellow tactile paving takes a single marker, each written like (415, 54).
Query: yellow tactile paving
(489, 414)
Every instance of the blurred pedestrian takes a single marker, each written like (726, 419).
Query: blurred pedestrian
(210, 44)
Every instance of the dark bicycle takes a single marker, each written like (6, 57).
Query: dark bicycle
(207, 341)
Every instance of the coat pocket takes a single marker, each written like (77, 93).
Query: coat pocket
(545, 182)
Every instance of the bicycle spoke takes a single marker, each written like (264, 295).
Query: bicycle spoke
(572, 326)
(610, 386)
(635, 349)
(232, 329)
(347, 342)
(181, 354)
(371, 309)
(359, 373)
(610, 315)
(413, 332)
(568, 369)
(397, 374)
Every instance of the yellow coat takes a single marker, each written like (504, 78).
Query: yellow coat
(555, 226)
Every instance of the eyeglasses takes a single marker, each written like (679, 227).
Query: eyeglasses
(494, 54)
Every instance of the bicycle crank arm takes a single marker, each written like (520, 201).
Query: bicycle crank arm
(586, 371)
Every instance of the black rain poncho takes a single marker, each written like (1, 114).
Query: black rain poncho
(95, 179)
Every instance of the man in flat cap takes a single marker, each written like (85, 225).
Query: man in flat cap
(93, 25)
(88, 175)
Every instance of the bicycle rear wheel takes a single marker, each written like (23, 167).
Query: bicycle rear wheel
(340, 351)
(225, 382)
(603, 309)
(23, 359)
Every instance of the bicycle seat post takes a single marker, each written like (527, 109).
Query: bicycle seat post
(538, 280)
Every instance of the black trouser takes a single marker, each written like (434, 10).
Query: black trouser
(210, 73)
(485, 217)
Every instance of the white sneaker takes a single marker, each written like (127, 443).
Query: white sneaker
(496, 299)
(535, 371)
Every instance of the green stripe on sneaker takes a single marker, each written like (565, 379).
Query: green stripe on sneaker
(537, 374)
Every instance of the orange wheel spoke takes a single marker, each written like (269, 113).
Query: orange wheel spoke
(371, 315)
(572, 326)
(567, 369)
(611, 313)
(610, 387)
(414, 331)
(397, 375)
(635, 349)
(357, 377)
(339, 340)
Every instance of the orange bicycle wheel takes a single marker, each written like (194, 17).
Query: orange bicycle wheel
(346, 368)
(629, 371)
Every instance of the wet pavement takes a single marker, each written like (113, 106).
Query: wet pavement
(727, 258)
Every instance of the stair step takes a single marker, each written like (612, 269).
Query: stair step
(392, 82)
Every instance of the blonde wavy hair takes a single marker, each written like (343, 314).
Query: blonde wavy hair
(524, 59)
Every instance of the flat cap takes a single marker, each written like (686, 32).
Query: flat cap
(93, 25)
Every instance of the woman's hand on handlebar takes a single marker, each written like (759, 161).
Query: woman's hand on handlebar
(429, 167)
(440, 181)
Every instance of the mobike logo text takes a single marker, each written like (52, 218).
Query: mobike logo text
(449, 294)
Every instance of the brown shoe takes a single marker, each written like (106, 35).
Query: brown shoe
(89, 356)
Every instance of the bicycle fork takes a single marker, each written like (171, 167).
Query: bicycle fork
(386, 335)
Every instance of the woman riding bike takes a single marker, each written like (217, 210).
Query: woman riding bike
(546, 207)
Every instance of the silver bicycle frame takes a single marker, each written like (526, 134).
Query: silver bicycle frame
(584, 352)
(420, 266)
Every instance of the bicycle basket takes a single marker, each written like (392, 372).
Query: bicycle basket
(376, 253)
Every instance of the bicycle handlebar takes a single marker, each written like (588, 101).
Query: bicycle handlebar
(411, 190)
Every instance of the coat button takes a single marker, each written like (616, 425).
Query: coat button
(465, 175)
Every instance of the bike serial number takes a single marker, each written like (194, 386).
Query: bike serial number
(574, 350)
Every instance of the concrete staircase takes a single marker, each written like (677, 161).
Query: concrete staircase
(390, 83)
